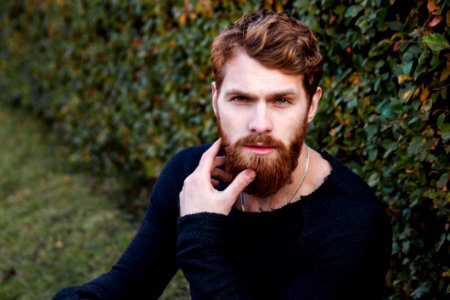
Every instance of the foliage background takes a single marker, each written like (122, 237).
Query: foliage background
(126, 84)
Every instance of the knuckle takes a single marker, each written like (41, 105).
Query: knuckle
(203, 159)
(241, 183)
(191, 180)
(187, 180)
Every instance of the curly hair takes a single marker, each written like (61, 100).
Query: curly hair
(276, 40)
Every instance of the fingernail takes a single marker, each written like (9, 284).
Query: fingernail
(251, 174)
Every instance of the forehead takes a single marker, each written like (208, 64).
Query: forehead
(242, 72)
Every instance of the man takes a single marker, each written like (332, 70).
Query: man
(266, 217)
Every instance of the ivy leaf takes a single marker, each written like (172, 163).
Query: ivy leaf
(445, 132)
(442, 182)
(420, 292)
(416, 145)
(436, 42)
(353, 10)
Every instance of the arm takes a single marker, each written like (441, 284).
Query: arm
(344, 254)
(202, 257)
(149, 262)
(203, 211)
(334, 264)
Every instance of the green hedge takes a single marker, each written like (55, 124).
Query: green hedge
(126, 84)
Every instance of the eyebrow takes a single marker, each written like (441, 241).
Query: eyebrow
(275, 95)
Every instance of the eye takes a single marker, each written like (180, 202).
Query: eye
(239, 99)
(281, 100)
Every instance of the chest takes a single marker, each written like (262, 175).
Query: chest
(266, 252)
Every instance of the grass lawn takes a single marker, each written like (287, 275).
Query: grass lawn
(59, 226)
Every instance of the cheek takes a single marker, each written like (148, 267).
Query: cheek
(231, 121)
(290, 129)
(230, 128)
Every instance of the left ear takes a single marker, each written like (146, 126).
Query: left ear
(314, 104)
(214, 96)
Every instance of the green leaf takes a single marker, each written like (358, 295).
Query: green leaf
(440, 120)
(444, 130)
(373, 153)
(420, 292)
(416, 145)
(373, 179)
(390, 147)
(407, 67)
(353, 10)
(436, 42)
(443, 180)
(395, 25)
(380, 47)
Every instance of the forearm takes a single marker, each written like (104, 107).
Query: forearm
(203, 258)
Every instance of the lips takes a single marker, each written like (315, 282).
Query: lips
(260, 148)
(260, 145)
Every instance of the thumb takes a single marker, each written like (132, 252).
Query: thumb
(240, 183)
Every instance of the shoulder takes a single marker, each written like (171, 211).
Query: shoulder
(165, 192)
(345, 210)
(345, 225)
(180, 166)
(185, 161)
(346, 182)
(346, 198)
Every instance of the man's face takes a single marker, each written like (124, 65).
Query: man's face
(262, 117)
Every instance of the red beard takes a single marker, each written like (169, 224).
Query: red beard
(272, 171)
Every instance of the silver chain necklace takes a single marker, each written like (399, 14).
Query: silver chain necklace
(241, 197)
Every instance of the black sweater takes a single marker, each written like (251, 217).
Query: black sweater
(333, 244)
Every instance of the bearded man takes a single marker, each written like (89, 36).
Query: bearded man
(258, 214)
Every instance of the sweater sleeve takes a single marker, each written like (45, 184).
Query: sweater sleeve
(341, 263)
(342, 253)
(202, 257)
(149, 262)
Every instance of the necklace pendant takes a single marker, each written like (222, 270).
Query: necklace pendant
(241, 201)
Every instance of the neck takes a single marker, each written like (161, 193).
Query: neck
(287, 194)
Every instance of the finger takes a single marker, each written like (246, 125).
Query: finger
(225, 176)
(240, 183)
(214, 182)
(207, 160)
(218, 161)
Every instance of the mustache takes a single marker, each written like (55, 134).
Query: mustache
(259, 139)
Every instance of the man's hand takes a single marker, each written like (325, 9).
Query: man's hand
(198, 193)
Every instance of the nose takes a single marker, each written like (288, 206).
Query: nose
(260, 121)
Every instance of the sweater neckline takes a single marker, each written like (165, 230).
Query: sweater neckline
(293, 206)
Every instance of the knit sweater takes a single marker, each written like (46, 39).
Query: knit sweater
(332, 244)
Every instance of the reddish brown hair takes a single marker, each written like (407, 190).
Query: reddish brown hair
(275, 40)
